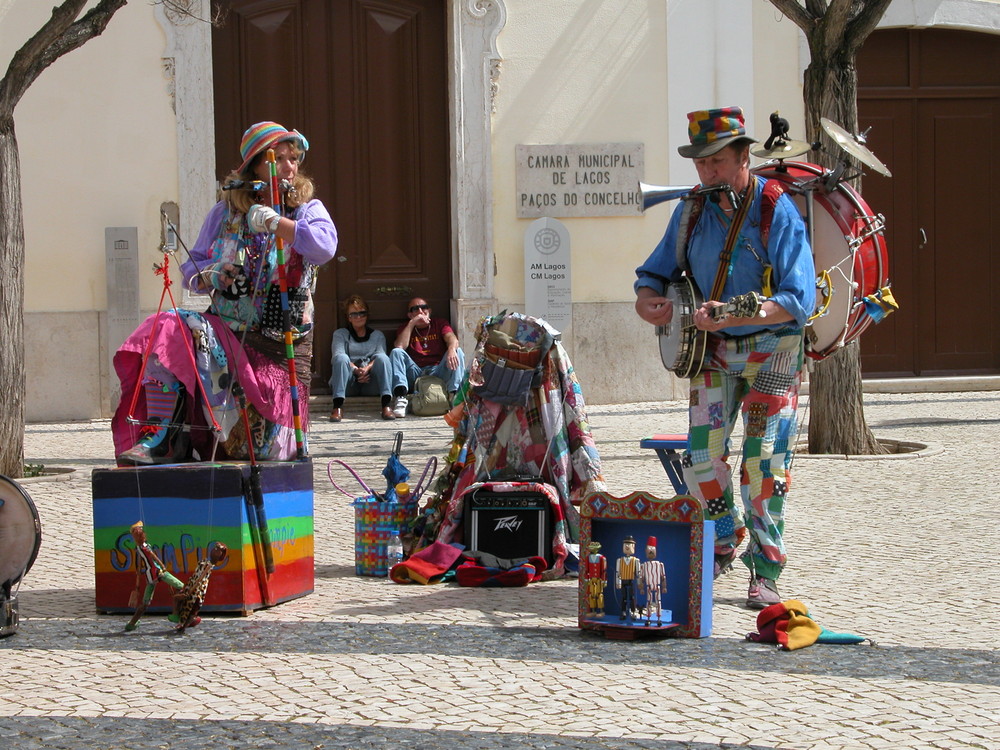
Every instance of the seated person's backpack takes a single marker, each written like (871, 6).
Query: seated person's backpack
(429, 397)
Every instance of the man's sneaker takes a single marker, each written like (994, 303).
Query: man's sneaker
(399, 407)
(763, 592)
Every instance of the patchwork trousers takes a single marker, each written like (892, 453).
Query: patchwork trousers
(758, 377)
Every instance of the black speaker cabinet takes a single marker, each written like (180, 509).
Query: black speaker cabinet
(509, 524)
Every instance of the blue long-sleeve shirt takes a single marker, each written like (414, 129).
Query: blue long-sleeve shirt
(793, 281)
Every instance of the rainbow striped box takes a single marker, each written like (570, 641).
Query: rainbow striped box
(186, 507)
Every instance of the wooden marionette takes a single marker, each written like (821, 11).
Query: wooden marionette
(596, 576)
(149, 570)
(626, 575)
(652, 582)
(188, 601)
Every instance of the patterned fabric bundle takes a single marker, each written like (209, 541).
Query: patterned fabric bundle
(219, 356)
(549, 436)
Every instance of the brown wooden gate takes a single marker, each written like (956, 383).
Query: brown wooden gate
(932, 99)
(366, 82)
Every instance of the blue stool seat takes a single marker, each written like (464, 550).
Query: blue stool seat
(667, 447)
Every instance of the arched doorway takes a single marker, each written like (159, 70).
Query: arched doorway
(931, 98)
(366, 81)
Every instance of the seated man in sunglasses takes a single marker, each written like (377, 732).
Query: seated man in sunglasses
(424, 346)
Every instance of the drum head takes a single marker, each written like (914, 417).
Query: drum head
(20, 532)
(848, 248)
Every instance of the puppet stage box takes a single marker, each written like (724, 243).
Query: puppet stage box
(186, 507)
(685, 546)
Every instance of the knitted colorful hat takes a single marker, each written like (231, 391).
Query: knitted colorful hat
(711, 130)
(264, 135)
(790, 626)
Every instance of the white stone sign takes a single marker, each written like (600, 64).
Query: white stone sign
(121, 249)
(590, 179)
(547, 289)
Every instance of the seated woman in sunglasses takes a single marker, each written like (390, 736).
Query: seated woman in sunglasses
(360, 364)
(424, 345)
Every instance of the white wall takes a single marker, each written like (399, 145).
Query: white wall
(596, 71)
(96, 135)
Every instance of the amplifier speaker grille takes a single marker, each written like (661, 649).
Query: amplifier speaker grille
(509, 524)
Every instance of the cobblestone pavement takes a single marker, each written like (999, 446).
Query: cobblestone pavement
(900, 549)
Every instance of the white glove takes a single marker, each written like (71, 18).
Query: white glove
(262, 218)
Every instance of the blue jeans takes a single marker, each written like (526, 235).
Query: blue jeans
(342, 382)
(405, 371)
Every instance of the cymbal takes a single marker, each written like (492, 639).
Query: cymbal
(782, 150)
(854, 145)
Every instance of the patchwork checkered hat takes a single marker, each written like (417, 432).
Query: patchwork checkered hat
(264, 135)
(711, 130)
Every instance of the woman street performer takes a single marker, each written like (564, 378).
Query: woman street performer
(753, 365)
(197, 370)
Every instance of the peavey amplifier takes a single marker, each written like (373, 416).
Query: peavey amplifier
(511, 524)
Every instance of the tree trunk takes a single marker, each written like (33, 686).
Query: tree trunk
(835, 29)
(836, 406)
(62, 33)
(11, 305)
(837, 422)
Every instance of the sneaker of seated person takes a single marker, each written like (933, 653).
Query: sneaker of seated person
(399, 404)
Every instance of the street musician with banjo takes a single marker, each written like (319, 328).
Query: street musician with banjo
(745, 298)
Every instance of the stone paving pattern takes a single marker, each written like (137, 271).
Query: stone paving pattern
(900, 549)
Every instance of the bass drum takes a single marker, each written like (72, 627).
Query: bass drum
(20, 539)
(849, 251)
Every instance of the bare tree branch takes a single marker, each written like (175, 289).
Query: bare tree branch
(863, 25)
(59, 35)
(797, 14)
(183, 8)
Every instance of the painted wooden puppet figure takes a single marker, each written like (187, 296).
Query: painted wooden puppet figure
(596, 572)
(188, 601)
(626, 575)
(149, 570)
(652, 581)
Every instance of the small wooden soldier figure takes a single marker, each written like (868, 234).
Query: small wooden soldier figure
(653, 581)
(596, 574)
(149, 570)
(626, 574)
(188, 601)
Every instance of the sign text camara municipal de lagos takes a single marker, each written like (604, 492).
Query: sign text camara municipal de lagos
(582, 179)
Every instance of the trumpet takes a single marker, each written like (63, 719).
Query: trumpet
(654, 194)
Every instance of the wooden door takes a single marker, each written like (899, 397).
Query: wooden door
(931, 98)
(366, 82)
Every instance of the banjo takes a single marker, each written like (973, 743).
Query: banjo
(682, 346)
